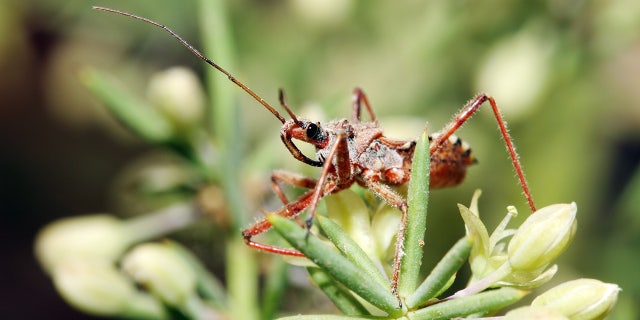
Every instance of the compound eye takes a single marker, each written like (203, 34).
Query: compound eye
(312, 131)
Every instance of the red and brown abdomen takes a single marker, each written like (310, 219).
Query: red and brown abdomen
(449, 163)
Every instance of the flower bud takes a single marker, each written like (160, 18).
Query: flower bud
(534, 313)
(374, 235)
(96, 287)
(88, 237)
(542, 237)
(582, 299)
(352, 214)
(163, 271)
(178, 94)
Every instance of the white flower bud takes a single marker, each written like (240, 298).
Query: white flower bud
(581, 299)
(163, 271)
(88, 237)
(96, 287)
(534, 313)
(542, 237)
(177, 92)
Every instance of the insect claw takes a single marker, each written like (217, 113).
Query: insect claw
(308, 222)
(394, 292)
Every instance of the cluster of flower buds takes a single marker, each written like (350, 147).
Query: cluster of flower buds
(524, 261)
(89, 261)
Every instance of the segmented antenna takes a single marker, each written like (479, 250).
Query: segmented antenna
(199, 55)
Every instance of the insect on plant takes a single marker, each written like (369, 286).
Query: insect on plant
(357, 151)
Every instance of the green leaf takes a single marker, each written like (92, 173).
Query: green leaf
(336, 265)
(328, 317)
(351, 250)
(143, 120)
(440, 275)
(417, 199)
(338, 294)
(478, 303)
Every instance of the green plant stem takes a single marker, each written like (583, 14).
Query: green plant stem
(274, 288)
(223, 120)
(242, 275)
(223, 116)
(160, 222)
(484, 283)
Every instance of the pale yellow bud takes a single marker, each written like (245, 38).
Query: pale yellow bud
(161, 269)
(542, 237)
(177, 92)
(581, 299)
(99, 237)
(534, 313)
(96, 287)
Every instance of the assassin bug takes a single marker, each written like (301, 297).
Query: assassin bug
(357, 152)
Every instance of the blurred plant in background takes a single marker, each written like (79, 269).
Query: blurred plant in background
(564, 73)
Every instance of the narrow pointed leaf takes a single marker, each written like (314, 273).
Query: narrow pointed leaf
(351, 250)
(478, 303)
(328, 317)
(334, 264)
(338, 294)
(145, 121)
(440, 275)
(417, 199)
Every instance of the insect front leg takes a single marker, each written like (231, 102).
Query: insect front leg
(289, 210)
(340, 172)
(469, 110)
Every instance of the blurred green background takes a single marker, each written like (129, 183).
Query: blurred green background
(566, 75)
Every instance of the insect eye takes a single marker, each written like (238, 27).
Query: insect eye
(312, 131)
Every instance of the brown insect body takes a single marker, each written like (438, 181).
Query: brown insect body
(375, 157)
(355, 151)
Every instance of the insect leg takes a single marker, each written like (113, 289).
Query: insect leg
(290, 178)
(339, 151)
(393, 198)
(289, 210)
(469, 109)
(309, 200)
(360, 97)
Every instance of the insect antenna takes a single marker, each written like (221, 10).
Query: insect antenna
(201, 56)
(283, 103)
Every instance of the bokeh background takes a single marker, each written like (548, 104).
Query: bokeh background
(566, 75)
